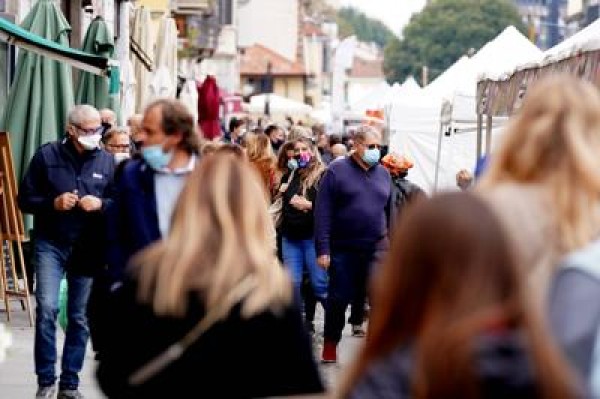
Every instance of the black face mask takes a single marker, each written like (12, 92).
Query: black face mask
(277, 144)
(106, 127)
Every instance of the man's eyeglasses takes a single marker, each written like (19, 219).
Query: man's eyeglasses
(89, 132)
(121, 147)
(373, 146)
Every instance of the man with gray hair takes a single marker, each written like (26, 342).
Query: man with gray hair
(66, 187)
(339, 150)
(350, 231)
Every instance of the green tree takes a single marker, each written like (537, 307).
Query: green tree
(443, 32)
(353, 22)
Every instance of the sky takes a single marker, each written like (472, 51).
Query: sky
(394, 13)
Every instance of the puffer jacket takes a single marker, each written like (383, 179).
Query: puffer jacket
(502, 363)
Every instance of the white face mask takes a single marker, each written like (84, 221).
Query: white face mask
(121, 156)
(90, 142)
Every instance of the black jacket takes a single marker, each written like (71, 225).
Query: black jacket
(502, 365)
(266, 355)
(402, 192)
(57, 168)
(296, 224)
(132, 217)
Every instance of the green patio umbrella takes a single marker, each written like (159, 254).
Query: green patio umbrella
(42, 91)
(94, 89)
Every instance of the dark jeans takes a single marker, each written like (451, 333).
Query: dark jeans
(51, 259)
(357, 308)
(348, 278)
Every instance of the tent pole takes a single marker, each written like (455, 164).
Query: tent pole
(438, 157)
(479, 136)
(488, 134)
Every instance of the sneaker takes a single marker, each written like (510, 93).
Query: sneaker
(329, 352)
(358, 330)
(46, 392)
(69, 394)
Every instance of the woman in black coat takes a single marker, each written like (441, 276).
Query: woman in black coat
(215, 281)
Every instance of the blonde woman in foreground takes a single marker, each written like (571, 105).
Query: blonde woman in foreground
(544, 181)
(214, 280)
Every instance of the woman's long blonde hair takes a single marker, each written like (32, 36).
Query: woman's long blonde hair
(258, 148)
(313, 173)
(220, 234)
(555, 141)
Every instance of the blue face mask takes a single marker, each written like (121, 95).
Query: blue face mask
(156, 157)
(292, 164)
(371, 157)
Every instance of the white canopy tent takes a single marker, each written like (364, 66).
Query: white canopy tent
(375, 99)
(584, 42)
(437, 127)
(278, 105)
(415, 123)
(410, 86)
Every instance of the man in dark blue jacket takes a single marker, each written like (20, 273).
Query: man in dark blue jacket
(350, 229)
(149, 187)
(67, 187)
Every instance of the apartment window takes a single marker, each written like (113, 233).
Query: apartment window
(226, 12)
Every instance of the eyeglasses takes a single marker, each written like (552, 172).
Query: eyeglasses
(122, 147)
(373, 146)
(89, 132)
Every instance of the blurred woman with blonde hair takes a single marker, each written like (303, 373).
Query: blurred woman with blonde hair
(261, 156)
(544, 181)
(213, 293)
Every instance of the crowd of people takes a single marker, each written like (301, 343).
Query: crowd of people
(197, 266)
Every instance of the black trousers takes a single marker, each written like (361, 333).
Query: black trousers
(349, 274)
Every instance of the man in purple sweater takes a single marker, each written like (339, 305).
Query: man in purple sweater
(350, 228)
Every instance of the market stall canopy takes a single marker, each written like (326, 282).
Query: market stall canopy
(15, 35)
(322, 113)
(127, 75)
(445, 84)
(375, 99)
(278, 104)
(41, 93)
(143, 55)
(587, 39)
(92, 89)
(503, 54)
(410, 86)
(163, 82)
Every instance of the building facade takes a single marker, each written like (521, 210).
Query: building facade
(262, 70)
(581, 13)
(545, 27)
(271, 23)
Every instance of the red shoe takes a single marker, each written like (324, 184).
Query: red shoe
(329, 352)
